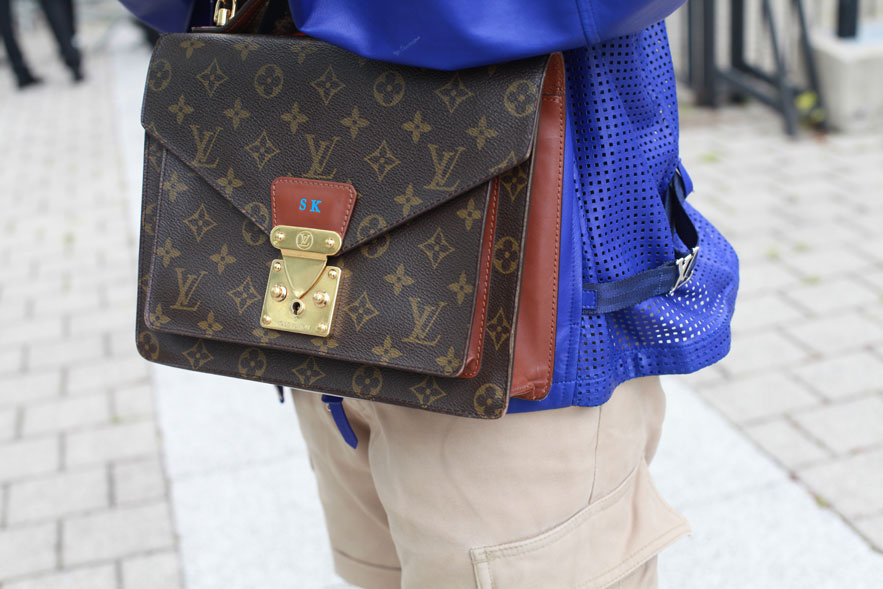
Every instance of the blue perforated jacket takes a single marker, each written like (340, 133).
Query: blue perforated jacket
(621, 154)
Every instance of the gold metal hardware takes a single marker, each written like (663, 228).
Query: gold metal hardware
(225, 10)
(302, 289)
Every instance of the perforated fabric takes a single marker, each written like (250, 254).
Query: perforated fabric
(625, 123)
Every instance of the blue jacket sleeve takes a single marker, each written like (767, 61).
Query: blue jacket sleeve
(442, 34)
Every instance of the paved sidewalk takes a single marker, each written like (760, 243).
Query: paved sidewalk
(804, 379)
(83, 495)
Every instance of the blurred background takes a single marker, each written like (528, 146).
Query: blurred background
(119, 474)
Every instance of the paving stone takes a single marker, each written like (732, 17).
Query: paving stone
(832, 296)
(843, 376)
(765, 277)
(156, 571)
(99, 577)
(115, 534)
(837, 333)
(66, 414)
(133, 402)
(12, 311)
(8, 419)
(765, 395)
(759, 351)
(58, 495)
(26, 550)
(102, 320)
(872, 528)
(847, 426)
(851, 484)
(138, 481)
(65, 352)
(114, 442)
(790, 446)
(764, 311)
(28, 457)
(875, 278)
(827, 262)
(94, 376)
(17, 389)
(11, 359)
(40, 330)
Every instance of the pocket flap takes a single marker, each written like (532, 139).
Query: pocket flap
(241, 111)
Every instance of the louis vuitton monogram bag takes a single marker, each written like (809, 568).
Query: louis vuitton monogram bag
(318, 220)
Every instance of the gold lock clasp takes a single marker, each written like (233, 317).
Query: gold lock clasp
(302, 288)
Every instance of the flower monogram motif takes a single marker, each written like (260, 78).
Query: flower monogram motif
(200, 222)
(382, 160)
(244, 48)
(436, 247)
(268, 80)
(354, 122)
(408, 199)
(488, 400)
(453, 93)
(252, 363)
(327, 85)
(324, 343)
(222, 259)
(160, 75)
(181, 109)
(191, 44)
(399, 279)
(237, 113)
(262, 150)
(209, 325)
(367, 381)
(198, 355)
(506, 255)
(498, 329)
(520, 98)
(265, 335)
(295, 118)
(148, 345)
(470, 214)
(361, 310)
(158, 317)
(461, 288)
(449, 362)
(302, 51)
(427, 391)
(389, 88)
(244, 295)
(481, 132)
(308, 372)
(173, 186)
(229, 182)
(167, 252)
(416, 127)
(212, 77)
(387, 351)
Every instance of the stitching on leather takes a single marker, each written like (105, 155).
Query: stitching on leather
(495, 194)
(350, 190)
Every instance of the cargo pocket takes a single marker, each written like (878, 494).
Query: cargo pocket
(599, 545)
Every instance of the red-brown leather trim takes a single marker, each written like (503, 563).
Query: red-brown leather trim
(473, 353)
(538, 303)
(317, 204)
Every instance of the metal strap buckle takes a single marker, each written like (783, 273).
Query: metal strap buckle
(225, 10)
(685, 265)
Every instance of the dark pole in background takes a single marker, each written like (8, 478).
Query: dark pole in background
(847, 18)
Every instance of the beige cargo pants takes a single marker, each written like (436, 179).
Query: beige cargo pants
(554, 499)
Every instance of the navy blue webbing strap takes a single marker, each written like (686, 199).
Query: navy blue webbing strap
(605, 297)
(335, 405)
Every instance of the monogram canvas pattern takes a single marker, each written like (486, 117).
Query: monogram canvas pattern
(225, 115)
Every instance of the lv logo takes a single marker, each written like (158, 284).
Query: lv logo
(320, 152)
(424, 319)
(444, 165)
(205, 142)
(186, 288)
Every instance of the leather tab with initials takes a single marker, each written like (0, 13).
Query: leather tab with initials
(318, 204)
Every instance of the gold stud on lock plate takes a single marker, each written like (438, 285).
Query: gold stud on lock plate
(302, 289)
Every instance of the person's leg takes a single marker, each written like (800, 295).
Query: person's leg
(556, 498)
(361, 546)
(60, 20)
(16, 59)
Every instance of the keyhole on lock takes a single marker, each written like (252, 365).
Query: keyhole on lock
(298, 308)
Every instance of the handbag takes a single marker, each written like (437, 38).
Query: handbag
(318, 220)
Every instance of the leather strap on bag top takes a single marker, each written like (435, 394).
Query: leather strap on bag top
(606, 297)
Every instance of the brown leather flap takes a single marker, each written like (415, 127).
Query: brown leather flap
(241, 111)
